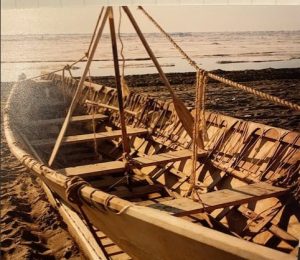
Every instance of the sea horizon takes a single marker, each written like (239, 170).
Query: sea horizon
(231, 50)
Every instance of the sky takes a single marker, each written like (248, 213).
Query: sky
(82, 18)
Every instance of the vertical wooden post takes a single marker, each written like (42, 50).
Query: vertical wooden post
(126, 148)
(77, 93)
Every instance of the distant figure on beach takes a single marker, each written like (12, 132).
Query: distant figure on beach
(22, 76)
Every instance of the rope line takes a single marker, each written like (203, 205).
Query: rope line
(198, 128)
(68, 67)
(123, 82)
(231, 83)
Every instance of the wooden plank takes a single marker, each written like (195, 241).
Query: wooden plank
(137, 191)
(282, 234)
(135, 113)
(164, 158)
(90, 137)
(221, 199)
(103, 136)
(74, 119)
(117, 166)
(97, 169)
(87, 118)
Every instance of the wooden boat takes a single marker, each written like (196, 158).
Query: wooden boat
(245, 199)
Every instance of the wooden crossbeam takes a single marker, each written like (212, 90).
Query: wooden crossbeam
(220, 199)
(90, 137)
(118, 166)
(97, 169)
(164, 158)
(137, 191)
(135, 113)
(74, 119)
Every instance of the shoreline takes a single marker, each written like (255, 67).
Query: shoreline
(177, 78)
(149, 79)
(283, 83)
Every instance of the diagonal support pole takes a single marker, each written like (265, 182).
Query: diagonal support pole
(183, 113)
(126, 147)
(78, 92)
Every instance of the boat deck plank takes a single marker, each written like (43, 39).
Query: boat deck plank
(220, 199)
(90, 137)
(164, 158)
(103, 136)
(98, 169)
(74, 119)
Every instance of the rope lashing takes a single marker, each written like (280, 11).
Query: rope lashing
(197, 122)
(73, 187)
(198, 128)
(250, 90)
(125, 89)
(94, 107)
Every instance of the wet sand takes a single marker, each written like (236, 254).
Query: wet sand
(32, 229)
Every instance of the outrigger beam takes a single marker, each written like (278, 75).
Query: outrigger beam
(78, 91)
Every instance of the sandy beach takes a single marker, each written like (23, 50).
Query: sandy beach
(32, 229)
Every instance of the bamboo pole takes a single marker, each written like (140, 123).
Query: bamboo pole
(126, 148)
(77, 93)
(183, 113)
(94, 33)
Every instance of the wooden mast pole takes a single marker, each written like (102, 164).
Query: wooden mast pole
(183, 113)
(77, 93)
(126, 148)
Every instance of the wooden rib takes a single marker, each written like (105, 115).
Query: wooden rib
(164, 158)
(282, 234)
(221, 199)
(72, 120)
(97, 169)
(90, 137)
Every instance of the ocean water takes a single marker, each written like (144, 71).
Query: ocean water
(31, 54)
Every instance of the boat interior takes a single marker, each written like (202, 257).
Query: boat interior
(243, 174)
